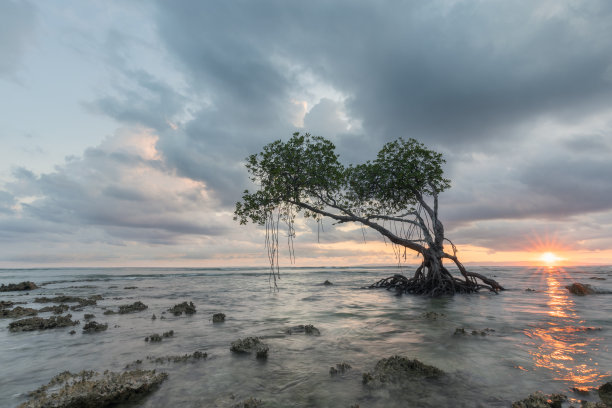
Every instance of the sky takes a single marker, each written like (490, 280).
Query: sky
(124, 124)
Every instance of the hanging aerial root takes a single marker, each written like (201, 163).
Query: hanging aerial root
(424, 283)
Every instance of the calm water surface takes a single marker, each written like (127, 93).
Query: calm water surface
(541, 339)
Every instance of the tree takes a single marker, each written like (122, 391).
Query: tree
(396, 194)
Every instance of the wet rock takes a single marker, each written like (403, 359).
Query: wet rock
(530, 290)
(130, 287)
(93, 327)
(153, 317)
(17, 312)
(605, 393)
(218, 317)
(154, 338)
(197, 355)
(597, 278)
(588, 404)
(327, 283)
(168, 334)
(308, 329)
(109, 312)
(340, 368)
(249, 345)
(89, 301)
(90, 389)
(11, 287)
(396, 369)
(580, 289)
(460, 331)
(433, 315)
(249, 403)
(5, 304)
(133, 364)
(484, 332)
(72, 332)
(38, 323)
(187, 308)
(59, 309)
(89, 316)
(539, 400)
(133, 308)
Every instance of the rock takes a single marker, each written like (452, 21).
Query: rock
(580, 289)
(460, 331)
(433, 315)
(168, 334)
(218, 317)
(154, 338)
(308, 329)
(38, 323)
(327, 283)
(133, 308)
(72, 332)
(530, 290)
(340, 368)
(187, 308)
(59, 309)
(153, 317)
(605, 393)
(539, 400)
(91, 300)
(130, 287)
(197, 355)
(587, 404)
(109, 312)
(89, 316)
(597, 278)
(249, 403)
(11, 287)
(93, 327)
(249, 345)
(90, 389)
(396, 369)
(18, 312)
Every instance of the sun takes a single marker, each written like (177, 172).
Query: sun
(550, 258)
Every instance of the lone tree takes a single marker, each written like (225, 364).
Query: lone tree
(396, 195)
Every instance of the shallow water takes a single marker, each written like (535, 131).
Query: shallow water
(546, 339)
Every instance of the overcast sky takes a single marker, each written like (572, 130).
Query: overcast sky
(124, 124)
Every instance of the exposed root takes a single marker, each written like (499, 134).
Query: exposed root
(424, 282)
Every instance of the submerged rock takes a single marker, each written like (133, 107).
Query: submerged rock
(249, 345)
(18, 312)
(397, 369)
(327, 283)
(89, 301)
(187, 308)
(133, 308)
(93, 326)
(249, 403)
(308, 329)
(38, 323)
(433, 315)
(59, 309)
(340, 368)
(11, 287)
(88, 316)
(605, 393)
(154, 338)
(580, 289)
(197, 355)
(91, 389)
(539, 400)
(218, 317)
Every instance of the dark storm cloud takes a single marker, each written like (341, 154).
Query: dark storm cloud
(17, 24)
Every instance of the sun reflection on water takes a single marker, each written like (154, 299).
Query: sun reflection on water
(562, 344)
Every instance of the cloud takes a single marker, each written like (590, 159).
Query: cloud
(17, 28)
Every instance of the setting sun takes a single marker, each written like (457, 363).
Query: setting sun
(549, 258)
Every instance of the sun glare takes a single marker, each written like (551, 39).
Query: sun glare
(550, 258)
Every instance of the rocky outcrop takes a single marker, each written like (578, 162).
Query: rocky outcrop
(17, 312)
(250, 345)
(397, 369)
(91, 389)
(38, 323)
(539, 400)
(218, 317)
(187, 308)
(308, 329)
(93, 327)
(11, 287)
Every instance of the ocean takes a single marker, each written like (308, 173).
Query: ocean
(535, 336)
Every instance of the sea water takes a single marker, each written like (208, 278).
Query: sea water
(539, 337)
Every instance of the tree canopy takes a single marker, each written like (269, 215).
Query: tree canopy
(395, 194)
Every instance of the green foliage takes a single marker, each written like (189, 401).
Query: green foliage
(304, 174)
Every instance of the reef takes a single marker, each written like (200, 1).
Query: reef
(397, 369)
(18, 311)
(38, 323)
(340, 368)
(218, 317)
(539, 400)
(58, 309)
(91, 389)
(249, 345)
(308, 329)
(12, 287)
(187, 308)
(93, 327)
